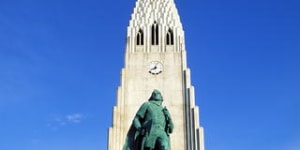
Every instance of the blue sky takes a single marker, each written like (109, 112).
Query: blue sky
(60, 65)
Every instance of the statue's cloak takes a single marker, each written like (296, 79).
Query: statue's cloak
(134, 140)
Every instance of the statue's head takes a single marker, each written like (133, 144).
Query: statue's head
(156, 96)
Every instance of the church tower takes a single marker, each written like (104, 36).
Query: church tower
(155, 58)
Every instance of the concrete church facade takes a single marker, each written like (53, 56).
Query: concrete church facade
(155, 58)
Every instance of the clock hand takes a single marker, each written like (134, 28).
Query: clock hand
(154, 67)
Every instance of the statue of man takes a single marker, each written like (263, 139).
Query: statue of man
(151, 126)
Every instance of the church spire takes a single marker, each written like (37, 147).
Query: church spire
(155, 58)
(160, 22)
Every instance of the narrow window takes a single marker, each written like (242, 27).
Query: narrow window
(140, 37)
(170, 37)
(154, 34)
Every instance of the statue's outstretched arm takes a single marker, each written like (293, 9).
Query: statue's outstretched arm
(139, 117)
(136, 122)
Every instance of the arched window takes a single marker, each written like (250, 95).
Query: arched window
(154, 34)
(170, 37)
(140, 37)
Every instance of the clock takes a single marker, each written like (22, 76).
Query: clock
(155, 67)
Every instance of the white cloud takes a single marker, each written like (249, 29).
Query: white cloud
(74, 118)
(57, 121)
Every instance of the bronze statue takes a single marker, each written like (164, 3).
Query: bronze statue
(151, 126)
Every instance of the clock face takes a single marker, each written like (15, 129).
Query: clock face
(155, 67)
